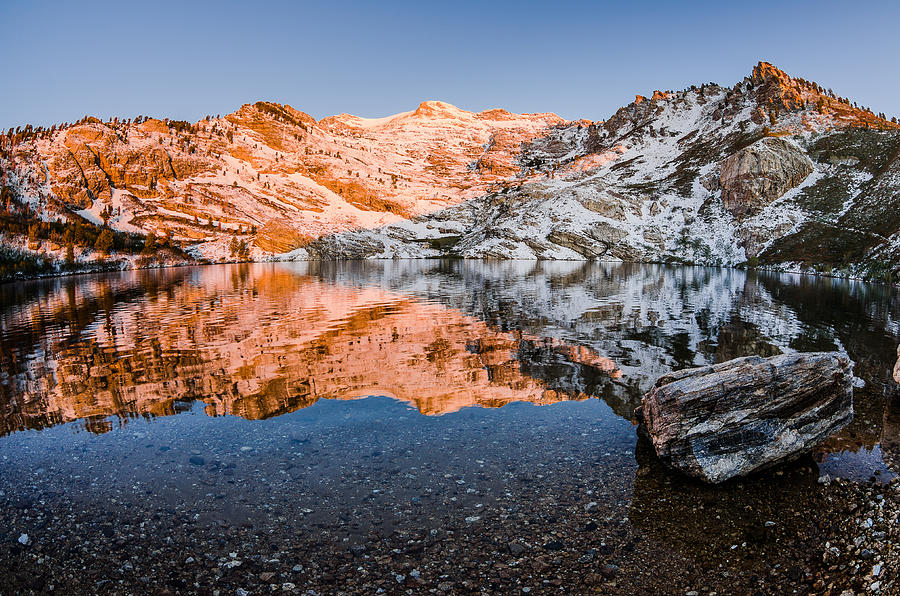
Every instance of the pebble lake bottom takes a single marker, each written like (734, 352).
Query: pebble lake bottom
(415, 427)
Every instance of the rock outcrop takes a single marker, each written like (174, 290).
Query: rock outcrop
(276, 236)
(775, 89)
(759, 174)
(94, 159)
(593, 243)
(748, 414)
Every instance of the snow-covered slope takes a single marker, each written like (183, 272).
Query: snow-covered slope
(774, 170)
(709, 175)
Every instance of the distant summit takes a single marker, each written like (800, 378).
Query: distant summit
(439, 109)
(776, 90)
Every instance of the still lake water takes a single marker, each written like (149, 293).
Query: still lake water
(317, 421)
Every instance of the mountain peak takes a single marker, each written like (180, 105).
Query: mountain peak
(778, 91)
(775, 89)
(273, 110)
(439, 109)
(765, 71)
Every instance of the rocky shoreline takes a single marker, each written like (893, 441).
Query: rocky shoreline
(864, 556)
(562, 548)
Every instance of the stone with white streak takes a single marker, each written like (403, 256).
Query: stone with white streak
(734, 418)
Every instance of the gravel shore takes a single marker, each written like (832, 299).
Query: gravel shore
(471, 503)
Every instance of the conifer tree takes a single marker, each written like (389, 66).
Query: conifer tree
(104, 241)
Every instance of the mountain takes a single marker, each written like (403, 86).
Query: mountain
(774, 170)
(267, 174)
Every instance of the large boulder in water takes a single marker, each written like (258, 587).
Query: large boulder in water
(748, 414)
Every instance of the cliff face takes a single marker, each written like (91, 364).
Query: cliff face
(772, 169)
(755, 176)
(87, 163)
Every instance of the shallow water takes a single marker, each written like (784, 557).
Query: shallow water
(282, 411)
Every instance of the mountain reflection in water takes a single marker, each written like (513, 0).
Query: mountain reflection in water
(259, 341)
(265, 339)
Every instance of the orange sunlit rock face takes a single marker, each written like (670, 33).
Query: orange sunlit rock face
(262, 341)
(270, 173)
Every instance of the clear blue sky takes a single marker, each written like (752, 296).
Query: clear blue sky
(62, 60)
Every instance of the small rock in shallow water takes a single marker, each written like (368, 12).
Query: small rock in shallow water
(358, 550)
(197, 460)
(23, 539)
(609, 571)
(515, 549)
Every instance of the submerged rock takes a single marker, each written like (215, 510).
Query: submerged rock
(737, 417)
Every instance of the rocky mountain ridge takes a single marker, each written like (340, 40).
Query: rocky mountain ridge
(774, 170)
(268, 175)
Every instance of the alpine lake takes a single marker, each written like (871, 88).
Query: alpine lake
(416, 427)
